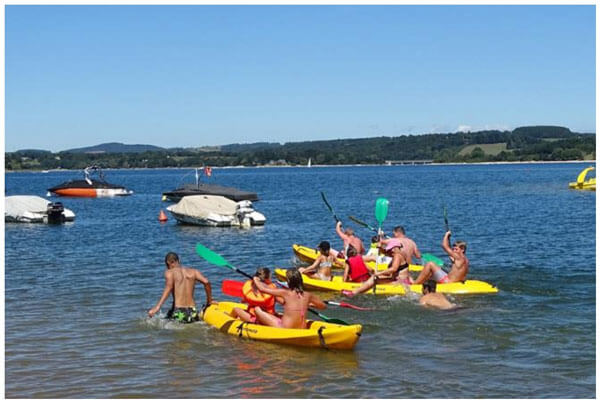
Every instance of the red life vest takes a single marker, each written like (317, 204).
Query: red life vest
(264, 300)
(358, 270)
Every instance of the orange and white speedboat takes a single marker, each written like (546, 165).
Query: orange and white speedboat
(88, 187)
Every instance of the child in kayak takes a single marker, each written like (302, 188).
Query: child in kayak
(322, 263)
(396, 273)
(434, 299)
(295, 302)
(254, 298)
(355, 269)
(460, 264)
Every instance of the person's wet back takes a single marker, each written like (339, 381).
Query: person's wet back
(180, 282)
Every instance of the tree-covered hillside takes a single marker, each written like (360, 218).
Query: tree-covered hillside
(533, 143)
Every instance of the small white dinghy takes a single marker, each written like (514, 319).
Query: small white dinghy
(35, 209)
(216, 211)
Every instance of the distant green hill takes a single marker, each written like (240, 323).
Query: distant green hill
(530, 143)
(115, 148)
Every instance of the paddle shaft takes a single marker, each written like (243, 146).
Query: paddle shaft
(335, 217)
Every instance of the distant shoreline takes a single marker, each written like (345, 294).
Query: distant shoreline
(328, 166)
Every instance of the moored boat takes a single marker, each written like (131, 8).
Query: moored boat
(337, 284)
(317, 334)
(582, 183)
(199, 188)
(215, 211)
(35, 209)
(89, 187)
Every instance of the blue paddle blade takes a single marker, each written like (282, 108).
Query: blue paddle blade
(381, 209)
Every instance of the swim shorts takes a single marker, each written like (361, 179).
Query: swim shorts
(184, 315)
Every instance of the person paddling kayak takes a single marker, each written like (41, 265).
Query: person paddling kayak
(254, 298)
(460, 264)
(396, 273)
(322, 264)
(349, 238)
(180, 283)
(296, 302)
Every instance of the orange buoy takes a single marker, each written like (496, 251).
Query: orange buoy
(162, 216)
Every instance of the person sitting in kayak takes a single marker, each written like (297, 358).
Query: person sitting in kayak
(355, 269)
(180, 283)
(434, 299)
(254, 298)
(295, 302)
(396, 273)
(460, 264)
(409, 247)
(322, 264)
(349, 238)
(374, 251)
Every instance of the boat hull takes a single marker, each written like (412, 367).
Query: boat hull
(93, 188)
(318, 334)
(337, 285)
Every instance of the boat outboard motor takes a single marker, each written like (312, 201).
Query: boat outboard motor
(55, 213)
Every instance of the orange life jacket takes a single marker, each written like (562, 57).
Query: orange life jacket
(264, 300)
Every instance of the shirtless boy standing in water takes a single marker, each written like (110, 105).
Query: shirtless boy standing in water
(181, 281)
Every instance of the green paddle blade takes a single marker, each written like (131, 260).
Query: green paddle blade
(211, 257)
(428, 257)
(381, 209)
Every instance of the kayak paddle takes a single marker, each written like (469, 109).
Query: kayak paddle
(364, 224)
(232, 288)
(381, 210)
(329, 207)
(446, 222)
(428, 257)
(218, 260)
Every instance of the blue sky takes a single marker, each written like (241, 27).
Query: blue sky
(188, 76)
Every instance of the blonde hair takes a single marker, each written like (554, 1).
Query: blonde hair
(462, 245)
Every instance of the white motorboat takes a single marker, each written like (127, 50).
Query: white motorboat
(215, 211)
(35, 209)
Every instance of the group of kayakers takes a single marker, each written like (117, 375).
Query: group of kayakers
(261, 295)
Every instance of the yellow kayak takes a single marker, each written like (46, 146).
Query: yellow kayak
(308, 255)
(336, 284)
(583, 184)
(317, 334)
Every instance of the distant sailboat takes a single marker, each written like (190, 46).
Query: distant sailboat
(309, 163)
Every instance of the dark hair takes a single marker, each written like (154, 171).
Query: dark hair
(375, 238)
(351, 251)
(171, 257)
(399, 228)
(263, 273)
(324, 246)
(294, 280)
(429, 286)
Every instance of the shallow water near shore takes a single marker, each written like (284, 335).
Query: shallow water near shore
(76, 295)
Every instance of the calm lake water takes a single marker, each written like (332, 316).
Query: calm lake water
(76, 295)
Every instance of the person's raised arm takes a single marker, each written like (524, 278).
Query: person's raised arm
(338, 230)
(446, 245)
(168, 290)
(278, 292)
(207, 287)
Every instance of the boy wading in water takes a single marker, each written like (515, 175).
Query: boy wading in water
(296, 302)
(434, 299)
(180, 282)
